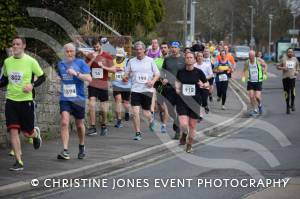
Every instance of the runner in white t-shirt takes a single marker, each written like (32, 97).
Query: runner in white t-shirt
(207, 70)
(144, 73)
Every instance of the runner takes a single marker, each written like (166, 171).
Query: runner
(189, 82)
(121, 91)
(206, 68)
(160, 89)
(154, 51)
(229, 57)
(222, 69)
(208, 59)
(144, 73)
(18, 73)
(256, 70)
(72, 72)
(101, 64)
(259, 54)
(172, 64)
(211, 47)
(290, 69)
(218, 50)
(9, 53)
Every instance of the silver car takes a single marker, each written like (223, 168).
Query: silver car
(242, 52)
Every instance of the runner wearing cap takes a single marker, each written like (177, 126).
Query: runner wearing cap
(172, 64)
(121, 91)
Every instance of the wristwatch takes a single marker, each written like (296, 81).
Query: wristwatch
(77, 74)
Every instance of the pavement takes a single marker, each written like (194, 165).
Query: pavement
(103, 152)
(291, 191)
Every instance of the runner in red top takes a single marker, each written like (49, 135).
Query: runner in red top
(101, 64)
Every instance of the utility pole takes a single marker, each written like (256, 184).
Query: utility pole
(231, 38)
(185, 11)
(251, 33)
(192, 26)
(270, 35)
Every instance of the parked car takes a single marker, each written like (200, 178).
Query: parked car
(241, 52)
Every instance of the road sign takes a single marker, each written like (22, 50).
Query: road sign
(293, 31)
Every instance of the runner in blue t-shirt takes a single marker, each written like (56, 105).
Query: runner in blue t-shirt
(72, 72)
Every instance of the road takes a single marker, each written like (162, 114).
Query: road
(271, 145)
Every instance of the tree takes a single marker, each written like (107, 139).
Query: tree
(9, 17)
(125, 15)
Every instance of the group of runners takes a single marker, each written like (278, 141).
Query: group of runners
(160, 78)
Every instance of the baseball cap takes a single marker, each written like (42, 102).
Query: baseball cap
(120, 52)
(175, 44)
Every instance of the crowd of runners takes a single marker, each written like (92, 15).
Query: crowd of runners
(163, 78)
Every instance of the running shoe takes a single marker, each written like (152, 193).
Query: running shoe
(137, 137)
(104, 131)
(92, 131)
(119, 124)
(188, 148)
(163, 128)
(253, 113)
(64, 155)
(18, 166)
(11, 153)
(81, 153)
(293, 107)
(152, 126)
(37, 141)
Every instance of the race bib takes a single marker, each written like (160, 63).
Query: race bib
(223, 77)
(290, 64)
(141, 78)
(69, 90)
(119, 75)
(16, 77)
(189, 89)
(97, 73)
(254, 74)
